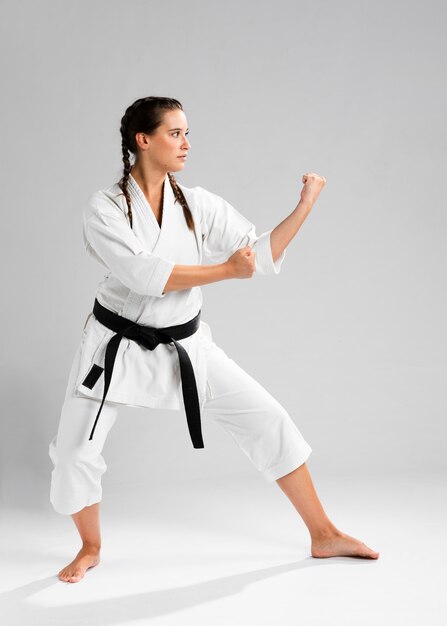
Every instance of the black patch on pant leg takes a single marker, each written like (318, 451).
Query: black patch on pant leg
(93, 375)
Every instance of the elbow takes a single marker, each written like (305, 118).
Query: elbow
(148, 291)
(268, 265)
(148, 279)
(159, 282)
(154, 287)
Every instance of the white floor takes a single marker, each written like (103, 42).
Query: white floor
(234, 551)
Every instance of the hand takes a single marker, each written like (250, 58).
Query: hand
(313, 184)
(241, 264)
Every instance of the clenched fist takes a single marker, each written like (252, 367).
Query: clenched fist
(313, 184)
(241, 264)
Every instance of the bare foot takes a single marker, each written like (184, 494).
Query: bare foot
(87, 557)
(340, 544)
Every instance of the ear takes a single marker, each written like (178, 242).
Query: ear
(142, 141)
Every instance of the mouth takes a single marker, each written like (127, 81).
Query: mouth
(182, 156)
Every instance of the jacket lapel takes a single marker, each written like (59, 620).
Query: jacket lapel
(144, 221)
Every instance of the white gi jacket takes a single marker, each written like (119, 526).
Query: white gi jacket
(139, 262)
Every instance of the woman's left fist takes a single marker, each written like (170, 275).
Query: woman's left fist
(313, 184)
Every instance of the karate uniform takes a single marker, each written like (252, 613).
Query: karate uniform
(139, 262)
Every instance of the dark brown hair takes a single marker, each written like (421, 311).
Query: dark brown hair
(145, 115)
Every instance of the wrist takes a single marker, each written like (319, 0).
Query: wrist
(226, 270)
(304, 206)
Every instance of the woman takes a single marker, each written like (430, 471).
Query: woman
(152, 234)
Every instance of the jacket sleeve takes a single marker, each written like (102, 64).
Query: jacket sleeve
(109, 239)
(225, 230)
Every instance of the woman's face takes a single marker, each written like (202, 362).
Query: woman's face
(165, 147)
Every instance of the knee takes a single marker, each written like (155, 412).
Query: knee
(64, 457)
(275, 413)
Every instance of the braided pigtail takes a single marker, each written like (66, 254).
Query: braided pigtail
(144, 116)
(178, 193)
(126, 147)
(125, 178)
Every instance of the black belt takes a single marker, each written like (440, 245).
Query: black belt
(150, 338)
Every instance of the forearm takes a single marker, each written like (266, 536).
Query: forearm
(187, 276)
(283, 234)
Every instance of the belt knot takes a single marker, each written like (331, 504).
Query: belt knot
(147, 337)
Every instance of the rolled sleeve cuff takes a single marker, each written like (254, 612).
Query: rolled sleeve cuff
(159, 278)
(263, 260)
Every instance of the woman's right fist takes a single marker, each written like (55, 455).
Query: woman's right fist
(242, 263)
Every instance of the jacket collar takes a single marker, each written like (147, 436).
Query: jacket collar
(144, 208)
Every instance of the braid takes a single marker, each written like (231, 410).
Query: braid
(181, 198)
(147, 117)
(126, 153)
(125, 178)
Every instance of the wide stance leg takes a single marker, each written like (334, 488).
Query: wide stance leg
(258, 423)
(327, 540)
(268, 436)
(77, 470)
(78, 462)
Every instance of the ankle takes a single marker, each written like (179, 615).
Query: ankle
(325, 532)
(91, 546)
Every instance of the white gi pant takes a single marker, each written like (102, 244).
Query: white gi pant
(258, 423)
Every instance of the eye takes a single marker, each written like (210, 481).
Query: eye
(177, 132)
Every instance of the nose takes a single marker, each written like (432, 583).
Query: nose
(186, 144)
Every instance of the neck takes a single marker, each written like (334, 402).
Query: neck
(151, 182)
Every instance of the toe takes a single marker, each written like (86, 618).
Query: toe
(371, 554)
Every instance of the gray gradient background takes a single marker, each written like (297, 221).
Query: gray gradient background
(348, 337)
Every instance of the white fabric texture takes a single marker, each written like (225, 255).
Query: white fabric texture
(139, 263)
(258, 424)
